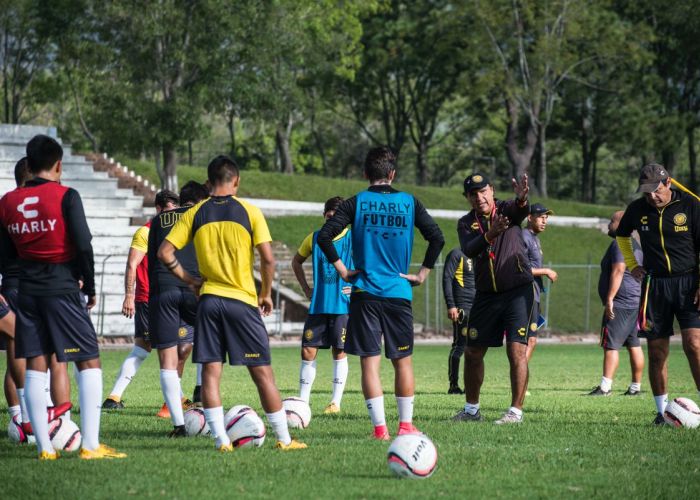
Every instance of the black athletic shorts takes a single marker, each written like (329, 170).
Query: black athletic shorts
(325, 330)
(10, 295)
(532, 331)
(141, 321)
(621, 331)
(4, 311)
(55, 324)
(459, 333)
(167, 313)
(664, 298)
(229, 326)
(371, 317)
(496, 315)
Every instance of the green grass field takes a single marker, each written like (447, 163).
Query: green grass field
(569, 445)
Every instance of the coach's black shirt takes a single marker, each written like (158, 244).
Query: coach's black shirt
(670, 236)
(159, 277)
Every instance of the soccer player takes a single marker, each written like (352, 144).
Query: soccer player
(668, 223)
(536, 224)
(458, 288)
(619, 292)
(46, 225)
(225, 231)
(328, 313)
(503, 306)
(382, 220)
(173, 306)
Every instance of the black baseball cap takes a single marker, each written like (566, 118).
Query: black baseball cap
(475, 181)
(538, 209)
(650, 176)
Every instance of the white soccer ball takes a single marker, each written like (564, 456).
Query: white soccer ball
(413, 456)
(16, 434)
(298, 413)
(65, 434)
(235, 410)
(246, 430)
(195, 423)
(682, 412)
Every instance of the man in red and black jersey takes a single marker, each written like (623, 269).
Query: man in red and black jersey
(45, 224)
(490, 234)
(668, 224)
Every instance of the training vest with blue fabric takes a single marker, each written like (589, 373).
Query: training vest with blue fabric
(328, 296)
(382, 242)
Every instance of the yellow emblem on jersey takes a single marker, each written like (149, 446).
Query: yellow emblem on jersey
(464, 331)
(477, 178)
(308, 334)
(473, 333)
(182, 332)
(644, 219)
(475, 226)
(522, 331)
(533, 327)
(680, 219)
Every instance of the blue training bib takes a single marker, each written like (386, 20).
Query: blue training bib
(328, 297)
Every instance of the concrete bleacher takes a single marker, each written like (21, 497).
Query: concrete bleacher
(109, 210)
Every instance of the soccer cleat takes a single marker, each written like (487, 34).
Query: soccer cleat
(225, 448)
(331, 409)
(112, 404)
(407, 428)
(45, 455)
(197, 395)
(381, 433)
(164, 412)
(102, 451)
(509, 418)
(178, 432)
(600, 392)
(56, 411)
(454, 389)
(659, 421)
(465, 416)
(27, 428)
(293, 445)
(631, 392)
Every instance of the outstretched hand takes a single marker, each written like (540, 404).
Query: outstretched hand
(521, 187)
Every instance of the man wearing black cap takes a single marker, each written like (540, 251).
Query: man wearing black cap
(490, 235)
(668, 223)
(536, 223)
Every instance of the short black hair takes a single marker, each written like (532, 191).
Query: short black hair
(379, 163)
(165, 196)
(42, 153)
(332, 204)
(22, 173)
(192, 193)
(222, 169)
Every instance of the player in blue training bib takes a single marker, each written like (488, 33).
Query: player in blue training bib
(382, 220)
(326, 324)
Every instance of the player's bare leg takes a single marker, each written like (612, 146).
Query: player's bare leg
(517, 357)
(60, 383)
(637, 367)
(658, 374)
(307, 372)
(170, 385)
(531, 344)
(611, 361)
(691, 347)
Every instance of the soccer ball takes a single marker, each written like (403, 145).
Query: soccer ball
(16, 434)
(682, 412)
(195, 423)
(235, 410)
(246, 430)
(298, 413)
(413, 456)
(65, 434)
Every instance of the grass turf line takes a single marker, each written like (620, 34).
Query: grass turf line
(569, 445)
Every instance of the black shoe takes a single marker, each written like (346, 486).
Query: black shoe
(599, 392)
(659, 420)
(197, 395)
(454, 389)
(178, 432)
(112, 404)
(631, 392)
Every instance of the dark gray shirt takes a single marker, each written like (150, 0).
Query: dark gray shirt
(534, 255)
(628, 295)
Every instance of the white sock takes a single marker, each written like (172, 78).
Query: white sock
(90, 394)
(23, 404)
(182, 394)
(199, 373)
(47, 388)
(170, 385)
(307, 374)
(635, 386)
(661, 402)
(405, 405)
(35, 394)
(14, 411)
(605, 384)
(215, 419)
(516, 411)
(471, 408)
(130, 366)
(66, 415)
(375, 407)
(278, 422)
(340, 376)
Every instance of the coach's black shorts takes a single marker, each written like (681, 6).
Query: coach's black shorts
(325, 330)
(55, 324)
(370, 318)
(666, 297)
(496, 315)
(532, 332)
(229, 326)
(141, 321)
(621, 331)
(167, 312)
